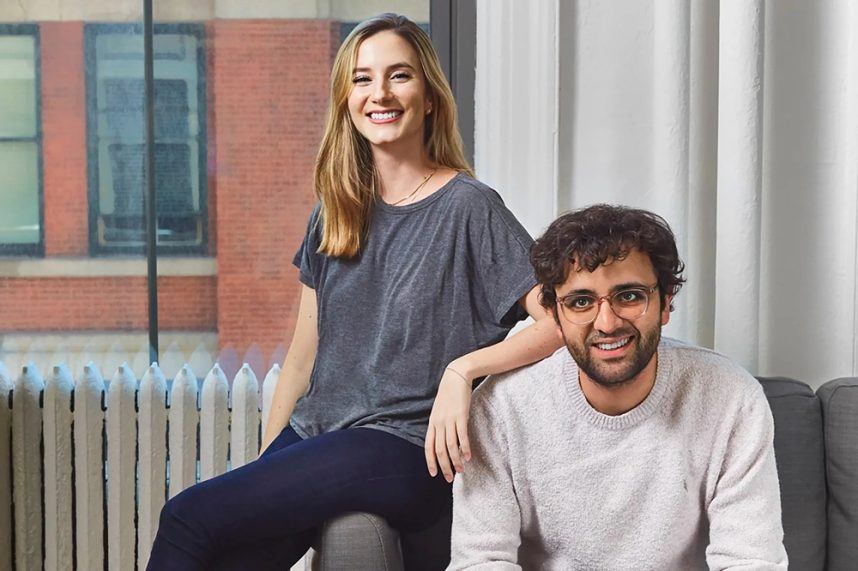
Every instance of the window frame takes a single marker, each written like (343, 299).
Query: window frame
(91, 33)
(453, 29)
(33, 249)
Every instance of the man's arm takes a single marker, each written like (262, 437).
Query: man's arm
(486, 518)
(745, 529)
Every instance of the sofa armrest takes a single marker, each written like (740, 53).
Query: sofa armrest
(356, 541)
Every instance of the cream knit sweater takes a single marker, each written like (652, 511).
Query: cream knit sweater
(685, 480)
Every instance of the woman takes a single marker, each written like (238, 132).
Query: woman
(411, 270)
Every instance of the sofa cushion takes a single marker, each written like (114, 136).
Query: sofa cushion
(356, 541)
(840, 420)
(799, 453)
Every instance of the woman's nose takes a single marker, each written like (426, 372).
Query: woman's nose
(381, 91)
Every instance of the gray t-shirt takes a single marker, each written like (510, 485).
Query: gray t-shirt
(434, 280)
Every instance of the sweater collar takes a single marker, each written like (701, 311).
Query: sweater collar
(641, 412)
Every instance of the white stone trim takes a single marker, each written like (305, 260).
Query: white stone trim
(103, 267)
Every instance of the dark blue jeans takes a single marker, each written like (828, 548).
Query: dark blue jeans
(263, 515)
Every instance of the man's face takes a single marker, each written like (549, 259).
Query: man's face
(612, 351)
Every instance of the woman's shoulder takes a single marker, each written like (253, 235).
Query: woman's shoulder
(468, 191)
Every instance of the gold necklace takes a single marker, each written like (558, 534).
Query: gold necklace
(416, 190)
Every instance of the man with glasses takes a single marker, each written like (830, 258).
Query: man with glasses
(624, 450)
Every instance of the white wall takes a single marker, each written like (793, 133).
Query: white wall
(735, 120)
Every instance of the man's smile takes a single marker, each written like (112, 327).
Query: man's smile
(613, 347)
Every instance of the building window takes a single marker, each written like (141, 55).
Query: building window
(116, 145)
(20, 141)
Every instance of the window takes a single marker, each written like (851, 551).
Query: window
(20, 141)
(116, 131)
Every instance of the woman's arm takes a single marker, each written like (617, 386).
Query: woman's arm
(295, 375)
(447, 436)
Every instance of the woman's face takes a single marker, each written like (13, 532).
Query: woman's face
(388, 101)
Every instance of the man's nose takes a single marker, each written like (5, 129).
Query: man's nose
(606, 320)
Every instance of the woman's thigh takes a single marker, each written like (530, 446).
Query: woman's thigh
(296, 485)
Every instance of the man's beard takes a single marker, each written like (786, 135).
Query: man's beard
(606, 375)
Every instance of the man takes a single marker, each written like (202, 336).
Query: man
(623, 450)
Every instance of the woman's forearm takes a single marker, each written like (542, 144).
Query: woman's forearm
(295, 375)
(535, 342)
(291, 386)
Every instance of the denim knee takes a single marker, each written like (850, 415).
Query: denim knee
(181, 542)
(181, 521)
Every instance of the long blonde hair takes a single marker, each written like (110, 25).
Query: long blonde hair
(345, 177)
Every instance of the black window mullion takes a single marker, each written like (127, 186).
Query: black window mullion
(453, 25)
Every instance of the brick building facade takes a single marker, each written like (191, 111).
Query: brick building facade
(266, 89)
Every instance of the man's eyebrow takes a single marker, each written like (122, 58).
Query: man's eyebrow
(402, 64)
(628, 285)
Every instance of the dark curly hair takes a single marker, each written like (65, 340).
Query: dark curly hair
(598, 234)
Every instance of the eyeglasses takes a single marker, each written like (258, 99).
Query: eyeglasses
(582, 308)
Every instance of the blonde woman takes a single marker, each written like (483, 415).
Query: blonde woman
(412, 275)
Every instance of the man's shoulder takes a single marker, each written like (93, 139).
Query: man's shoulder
(523, 385)
(711, 372)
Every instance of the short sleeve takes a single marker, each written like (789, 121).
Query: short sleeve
(503, 262)
(307, 258)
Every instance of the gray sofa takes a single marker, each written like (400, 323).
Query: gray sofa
(816, 446)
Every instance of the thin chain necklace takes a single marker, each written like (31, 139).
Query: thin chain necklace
(416, 190)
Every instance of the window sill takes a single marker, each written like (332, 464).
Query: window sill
(104, 267)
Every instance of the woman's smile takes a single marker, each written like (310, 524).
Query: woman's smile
(385, 116)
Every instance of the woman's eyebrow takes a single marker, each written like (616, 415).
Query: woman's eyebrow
(399, 65)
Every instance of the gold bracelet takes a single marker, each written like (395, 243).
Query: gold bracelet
(459, 374)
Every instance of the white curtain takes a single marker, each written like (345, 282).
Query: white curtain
(735, 120)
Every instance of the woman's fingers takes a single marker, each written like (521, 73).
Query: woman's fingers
(453, 446)
(441, 453)
(464, 443)
(429, 450)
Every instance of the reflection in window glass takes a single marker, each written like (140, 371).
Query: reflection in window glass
(117, 138)
(20, 228)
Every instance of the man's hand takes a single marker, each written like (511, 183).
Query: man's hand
(447, 437)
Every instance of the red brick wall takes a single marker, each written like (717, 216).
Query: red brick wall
(270, 84)
(64, 139)
(112, 303)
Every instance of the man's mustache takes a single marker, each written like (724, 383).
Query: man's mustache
(597, 338)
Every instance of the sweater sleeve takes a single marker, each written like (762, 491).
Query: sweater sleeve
(486, 518)
(745, 529)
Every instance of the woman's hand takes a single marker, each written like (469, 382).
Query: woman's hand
(447, 437)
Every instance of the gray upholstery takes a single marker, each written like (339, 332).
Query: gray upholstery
(362, 541)
(840, 415)
(799, 452)
(356, 541)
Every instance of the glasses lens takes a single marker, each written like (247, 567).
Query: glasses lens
(629, 303)
(579, 309)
